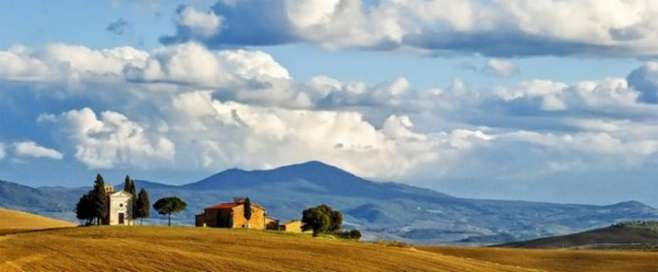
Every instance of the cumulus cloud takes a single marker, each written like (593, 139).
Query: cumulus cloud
(199, 108)
(2, 151)
(492, 28)
(191, 22)
(34, 150)
(221, 133)
(111, 140)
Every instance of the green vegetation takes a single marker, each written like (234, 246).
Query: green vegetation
(84, 210)
(142, 205)
(99, 200)
(92, 206)
(129, 185)
(321, 219)
(168, 206)
(247, 209)
(351, 234)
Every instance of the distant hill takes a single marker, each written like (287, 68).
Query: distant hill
(12, 220)
(638, 235)
(383, 210)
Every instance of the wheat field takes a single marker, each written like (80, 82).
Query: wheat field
(16, 221)
(196, 249)
(60, 247)
(560, 260)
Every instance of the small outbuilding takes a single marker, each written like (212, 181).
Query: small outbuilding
(292, 226)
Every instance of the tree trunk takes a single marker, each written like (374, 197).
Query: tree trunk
(169, 223)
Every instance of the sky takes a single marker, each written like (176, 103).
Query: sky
(540, 100)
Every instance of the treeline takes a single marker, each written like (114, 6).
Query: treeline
(93, 207)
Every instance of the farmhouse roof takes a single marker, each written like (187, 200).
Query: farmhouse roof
(230, 205)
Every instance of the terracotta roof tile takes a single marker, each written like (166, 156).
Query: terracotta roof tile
(230, 205)
(221, 206)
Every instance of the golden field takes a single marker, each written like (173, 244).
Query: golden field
(203, 249)
(196, 249)
(556, 260)
(16, 221)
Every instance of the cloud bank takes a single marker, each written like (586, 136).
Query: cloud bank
(491, 28)
(201, 109)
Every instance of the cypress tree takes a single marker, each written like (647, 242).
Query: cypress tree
(247, 209)
(99, 199)
(143, 206)
(129, 186)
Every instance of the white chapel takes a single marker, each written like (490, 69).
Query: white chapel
(120, 210)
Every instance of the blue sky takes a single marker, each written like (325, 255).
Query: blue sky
(476, 98)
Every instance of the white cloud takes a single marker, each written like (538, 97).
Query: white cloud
(227, 133)
(34, 150)
(545, 27)
(502, 67)
(196, 108)
(2, 151)
(111, 140)
(200, 23)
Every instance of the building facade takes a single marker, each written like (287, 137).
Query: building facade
(231, 215)
(120, 208)
(294, 226)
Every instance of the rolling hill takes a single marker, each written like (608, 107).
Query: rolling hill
(558, 260)
(152, 248)
(197, 249)
(16, 221)
(383, 210)
(632, 235)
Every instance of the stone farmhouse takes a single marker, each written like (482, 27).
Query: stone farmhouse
(120, 207)
(231, 215)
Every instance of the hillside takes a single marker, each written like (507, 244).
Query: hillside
(558, 260)
(13, 221)
(196, 249)
(627, 235)
(383, 210)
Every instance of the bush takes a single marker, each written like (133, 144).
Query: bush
(352, 234)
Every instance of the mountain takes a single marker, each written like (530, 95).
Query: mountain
(635, 235)
(383, 210)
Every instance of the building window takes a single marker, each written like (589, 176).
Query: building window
(121, 205)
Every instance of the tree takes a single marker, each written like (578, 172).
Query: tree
(142, 207)
(99, 200)
(336, 220)
(168, 206)
(84, 209)
(129, 185)
(321, 219)
(247, 209)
